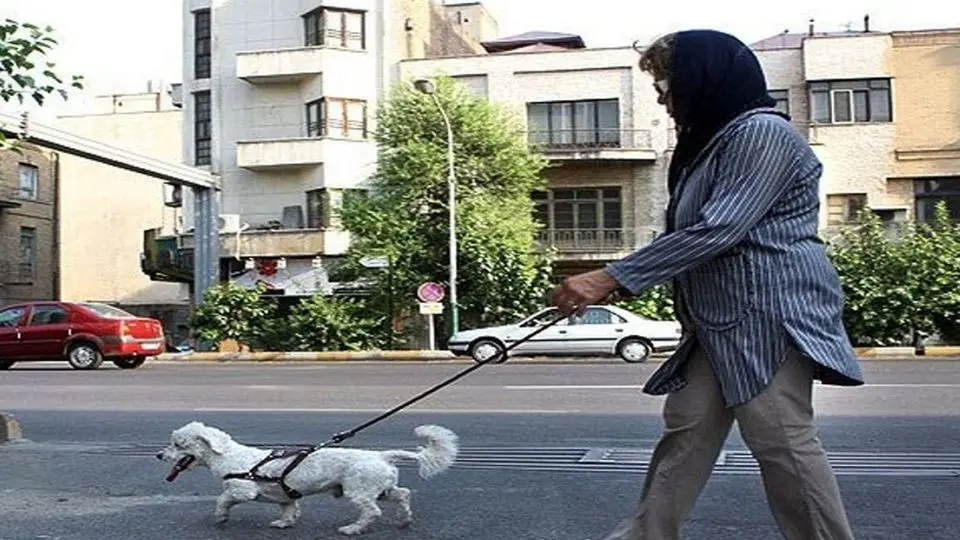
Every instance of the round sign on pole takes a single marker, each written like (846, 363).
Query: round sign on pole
(430, 292)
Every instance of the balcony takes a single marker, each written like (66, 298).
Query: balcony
(270, 243)
(294, 65)
(594, 144)
(279, 154)
(588, 241)
(9, 197)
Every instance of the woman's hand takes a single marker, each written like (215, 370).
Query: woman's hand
(578, 292)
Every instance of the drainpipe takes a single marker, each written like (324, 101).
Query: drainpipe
(55, 248)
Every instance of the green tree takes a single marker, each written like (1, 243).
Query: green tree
(655, 303)
(502, 272)
(230, 311)
(25, 74)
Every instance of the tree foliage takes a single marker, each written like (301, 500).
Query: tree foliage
(25, 73)
(655, 303)
(334, 324)
(900, 284)
(502, 272)
(230, 311)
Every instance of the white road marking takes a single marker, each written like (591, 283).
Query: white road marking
(378, 411)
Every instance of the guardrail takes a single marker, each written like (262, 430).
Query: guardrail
(587, 240)
(590, 139)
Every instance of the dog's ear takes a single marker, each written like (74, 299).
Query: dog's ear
(215, 441)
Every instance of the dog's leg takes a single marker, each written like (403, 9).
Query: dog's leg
(225, 502)
(369, 511)
(401, 496)
(289, 517)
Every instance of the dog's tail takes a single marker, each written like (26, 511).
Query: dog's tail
(437, 456)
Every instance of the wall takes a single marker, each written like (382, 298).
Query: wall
(105, 210)
(39, 214)
(927, 102)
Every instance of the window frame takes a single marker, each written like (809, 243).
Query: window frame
(871, 89)
(34, 190)
(597, 130)
(202, 128)
(923, 194)
(317, 30)
(781, 95)
(343, 128)
(27, 253)
(202, 44)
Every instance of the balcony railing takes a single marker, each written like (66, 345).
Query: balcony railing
(590, 139)
(9, 197)
(587, 240)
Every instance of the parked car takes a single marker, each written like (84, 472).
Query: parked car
(600, 331)
(83, 334)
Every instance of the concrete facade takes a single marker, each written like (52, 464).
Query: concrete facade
(279, 100)
(100, 231)
(571, 83)
(28, 233)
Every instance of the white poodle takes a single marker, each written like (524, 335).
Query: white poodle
(252, 474)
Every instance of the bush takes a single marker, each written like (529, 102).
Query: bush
(655, 303)
(334, 324)
(230, 311)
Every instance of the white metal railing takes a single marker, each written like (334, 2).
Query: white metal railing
(587, 240)
(590, 139)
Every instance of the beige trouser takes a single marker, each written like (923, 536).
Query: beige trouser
(777, 426)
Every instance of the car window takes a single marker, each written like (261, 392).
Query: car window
(48, 314)
(545, 317)
(104, 310)
(597, 316)
(10, 317)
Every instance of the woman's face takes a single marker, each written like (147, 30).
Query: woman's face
(662, 87)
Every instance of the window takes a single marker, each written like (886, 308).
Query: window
(782, 98)
(29, 182)
(929, 192)
(335, 28)
(28, 253)
(585, 124)
(596, 315)
(334, 117)
(201, 44)
(846, 102)
(202, 139)
(588, 219)
(48, 314)
(318, 204)
(11, 317)
(842, 209)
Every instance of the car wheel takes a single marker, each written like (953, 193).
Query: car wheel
(129, 363)
(85, 356)
(6, 364)
(484, 349)
(634, 350)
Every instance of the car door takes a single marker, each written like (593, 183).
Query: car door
(10, 320)
(46, 331)
(546, 342)
(595, 332)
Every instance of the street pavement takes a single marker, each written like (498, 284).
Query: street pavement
(548, 451)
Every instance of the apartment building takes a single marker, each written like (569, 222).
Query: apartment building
(595, 116)
(104, 209)
(279, 100)
(880, 110)
(28, 232)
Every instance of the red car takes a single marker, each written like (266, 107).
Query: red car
(83, 334)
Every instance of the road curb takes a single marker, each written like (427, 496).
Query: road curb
(9, 428)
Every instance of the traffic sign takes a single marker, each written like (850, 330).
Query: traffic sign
(375, 262)
(431, 308)
(430, 292)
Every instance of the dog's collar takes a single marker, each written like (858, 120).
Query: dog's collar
(254, 474)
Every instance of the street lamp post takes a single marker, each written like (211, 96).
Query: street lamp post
(428, 87)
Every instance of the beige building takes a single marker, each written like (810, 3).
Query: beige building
(104, 210)
(28, 233)
(594, 115)
(880, 110)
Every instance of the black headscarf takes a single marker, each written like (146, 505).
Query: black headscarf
(715, 78)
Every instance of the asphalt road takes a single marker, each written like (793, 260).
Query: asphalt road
(549, 451)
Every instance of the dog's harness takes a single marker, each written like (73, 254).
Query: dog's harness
(254, 474)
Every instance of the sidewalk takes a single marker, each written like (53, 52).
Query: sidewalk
(865, 354)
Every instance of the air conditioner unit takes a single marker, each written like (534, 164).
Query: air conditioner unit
(228, 223)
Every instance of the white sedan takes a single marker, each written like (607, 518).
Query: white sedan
(600, 331)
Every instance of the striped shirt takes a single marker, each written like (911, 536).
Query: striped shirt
(751, 275)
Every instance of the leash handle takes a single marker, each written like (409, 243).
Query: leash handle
(344, 435)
